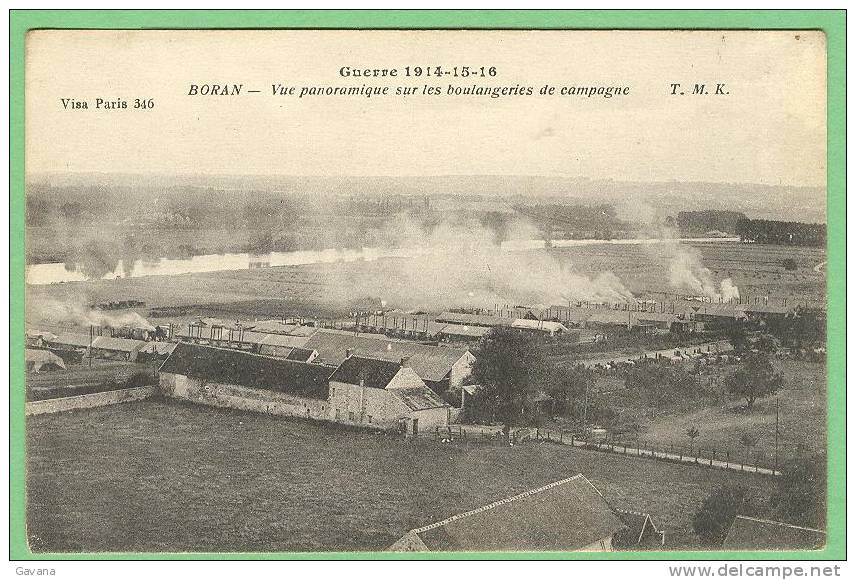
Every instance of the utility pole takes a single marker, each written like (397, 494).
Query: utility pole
(585, 409)
(776, 448)
(91, 332)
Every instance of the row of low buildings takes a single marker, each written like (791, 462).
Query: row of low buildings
(74, 347)
(359, 391)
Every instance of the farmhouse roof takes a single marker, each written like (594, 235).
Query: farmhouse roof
(748, 533)
(370, 372)
(301, 354)
(418, 398)
(247, 369)
(565, 515)
(431, 363)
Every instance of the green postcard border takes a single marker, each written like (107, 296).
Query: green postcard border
(832, 22)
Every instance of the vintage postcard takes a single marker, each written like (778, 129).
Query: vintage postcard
(431, 291)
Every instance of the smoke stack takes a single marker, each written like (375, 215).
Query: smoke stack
(404, 360)
(348, 353)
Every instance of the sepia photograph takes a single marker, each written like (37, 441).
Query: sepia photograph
(425, 291)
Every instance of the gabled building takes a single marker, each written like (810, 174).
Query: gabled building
(385, 394)
(440, 367)
(569, 515)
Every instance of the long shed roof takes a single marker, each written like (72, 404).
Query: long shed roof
(237, 367)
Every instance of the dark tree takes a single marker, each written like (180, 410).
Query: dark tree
(692, 433)
(804, 326)
(662, 385)
(766, 343)
(755, 379)
(800, 494)
(508, 367)
(736, 333)
(713, 520)
(568, 385)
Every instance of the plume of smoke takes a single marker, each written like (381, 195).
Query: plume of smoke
(79, 315)
(728, 290)
(687, 273)
(459, 263)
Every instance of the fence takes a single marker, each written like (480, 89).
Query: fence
(710, 457)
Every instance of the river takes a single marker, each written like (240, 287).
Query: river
(61, 273)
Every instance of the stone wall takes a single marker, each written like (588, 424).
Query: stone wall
(88, 401)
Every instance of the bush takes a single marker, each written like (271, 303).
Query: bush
(713, 520)
(800, 494)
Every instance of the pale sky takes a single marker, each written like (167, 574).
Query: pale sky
(771, 128)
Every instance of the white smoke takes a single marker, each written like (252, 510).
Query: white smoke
(460, 263)
(80, 315)
(688, 274)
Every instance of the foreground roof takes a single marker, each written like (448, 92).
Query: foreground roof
(246, 369)
(748, 533)
(565, 515)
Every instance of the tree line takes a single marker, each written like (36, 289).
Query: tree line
(778, 232)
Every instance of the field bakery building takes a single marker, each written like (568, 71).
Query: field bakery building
(360, 391)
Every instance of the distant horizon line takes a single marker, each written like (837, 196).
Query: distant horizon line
(36, 174)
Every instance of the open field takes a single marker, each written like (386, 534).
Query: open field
(802, 419)
(166, 476)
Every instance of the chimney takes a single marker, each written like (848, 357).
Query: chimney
(348, 353)
(404, 360)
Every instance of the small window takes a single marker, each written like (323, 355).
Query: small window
(351, 416)
(369, 417)
(337, 414)
(332, 391)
